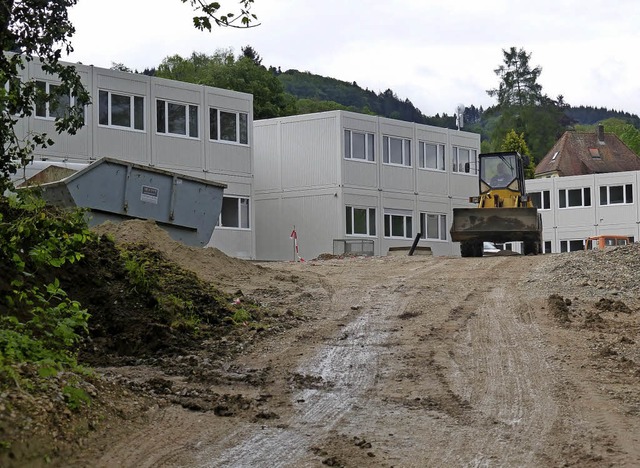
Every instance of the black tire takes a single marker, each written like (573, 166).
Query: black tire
(466, 249)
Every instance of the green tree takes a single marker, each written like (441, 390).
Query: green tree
(518, 81)
(243, 74)
(34, 30)
(523, 107)
(516, 142)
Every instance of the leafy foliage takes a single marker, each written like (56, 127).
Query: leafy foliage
(243, 74)
(516, 142)
(211, 11)
(34, 30)
(42, 324)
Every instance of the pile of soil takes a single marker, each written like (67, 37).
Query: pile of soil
(146, 310)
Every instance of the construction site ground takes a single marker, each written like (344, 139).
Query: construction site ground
(390, 362)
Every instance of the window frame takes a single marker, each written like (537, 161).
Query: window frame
(545, 199)
(565, 245)
(369, 146)
(132, 111)
(441, 223)
(240, 201)
(564, 198)
(47, 111)
(407, 224)
(441, 156)
(458, 167)
(627, 194)
(215, 123)
(350, 221)
(405, 151)
(189, 107)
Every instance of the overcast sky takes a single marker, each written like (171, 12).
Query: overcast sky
(435, 53)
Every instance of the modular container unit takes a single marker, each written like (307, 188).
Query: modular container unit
(190, 129)
(341, 175)
(576, 207)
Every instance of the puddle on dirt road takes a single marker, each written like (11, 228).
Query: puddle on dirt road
(346, 369)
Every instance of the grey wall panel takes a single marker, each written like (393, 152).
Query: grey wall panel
(175, 152)
(267, 157)
(432, 182)
(228, 157)
(229, 100)
(122, 144)
(360, 122)
(397, 178)
(360, 174)
(396, 128)
(176, 91)
(129, 83)
(463, 185)
(309, 152)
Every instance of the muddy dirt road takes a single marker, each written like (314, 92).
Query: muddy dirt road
(415, 362)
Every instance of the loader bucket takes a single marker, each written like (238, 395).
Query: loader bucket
(496, 225)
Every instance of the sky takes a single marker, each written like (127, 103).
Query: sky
(438, 54)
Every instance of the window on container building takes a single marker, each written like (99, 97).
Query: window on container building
(52, 103)
(120, 110)
(461, 156)
(228, 126)
(174, 118)
(574, 245)
(358, 145)
(396, 151)
(616, 194)
(574, 198)
(360, 221)
(431, 156)
(541, 200)
(235, 213)
(433, 226)
(398, 224)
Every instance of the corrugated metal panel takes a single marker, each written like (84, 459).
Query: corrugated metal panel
(129, 83)
(309, 152)
(398, 178)
(228, 157)
(121, 144)
(360, 174)
(176, 151)
(431, 182)
(266, 158)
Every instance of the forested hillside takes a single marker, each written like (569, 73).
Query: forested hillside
(521, 105)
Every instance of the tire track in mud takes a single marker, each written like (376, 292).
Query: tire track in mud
(499, 366)
(347, 367)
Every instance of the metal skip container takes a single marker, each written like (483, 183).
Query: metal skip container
(188, 208)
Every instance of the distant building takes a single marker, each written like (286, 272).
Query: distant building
(581, 153)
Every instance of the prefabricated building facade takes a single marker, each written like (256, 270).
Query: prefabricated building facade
(189, 129)
(576, 207)
(342, 177)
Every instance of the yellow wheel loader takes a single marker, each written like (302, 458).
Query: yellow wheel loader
(503, 213)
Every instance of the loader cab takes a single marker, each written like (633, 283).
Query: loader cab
(501, 171)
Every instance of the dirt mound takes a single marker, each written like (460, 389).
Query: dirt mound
(210, 264)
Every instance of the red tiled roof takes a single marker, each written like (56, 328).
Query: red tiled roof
(579, 153)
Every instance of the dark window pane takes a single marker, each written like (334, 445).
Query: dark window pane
(397, 226)
(562, 198)
(349, 220)
(244, 129)
(41, 103)
(230, 212)
(370, 153)
(359, 221)
(244, 212)
(603, 196)
(120, 110)
(575, 197)
(629, 193)
(385, 149)
(396, 151)
(177, 118)
(372, 221)
(138, 112)
(546, 199)
(59, 102)
(193, 121)
(587, 196)
(160, 115)
(616, 194)
(347, 144)
(432, 226)
(213, 124)
(228, 126)
(536, 198)
(409, 230)
(387, 225)
(576, 245)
